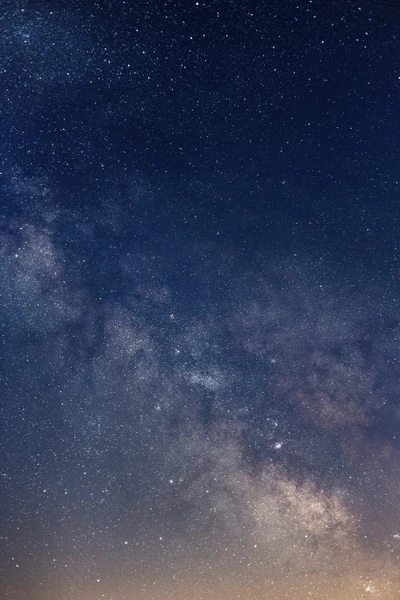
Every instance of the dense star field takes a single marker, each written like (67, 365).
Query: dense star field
(199, 300)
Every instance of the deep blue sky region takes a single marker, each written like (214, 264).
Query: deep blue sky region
(199, 300)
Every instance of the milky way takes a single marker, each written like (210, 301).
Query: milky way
(199, 310)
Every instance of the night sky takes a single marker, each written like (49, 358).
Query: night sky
(199, 300)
